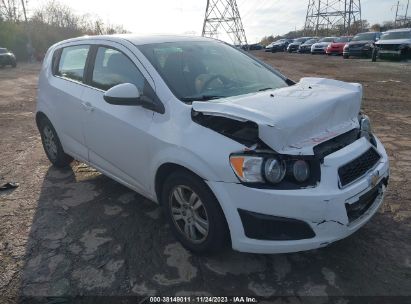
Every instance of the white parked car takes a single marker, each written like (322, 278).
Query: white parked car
(233, 151)
(393, 44)
(321, 46)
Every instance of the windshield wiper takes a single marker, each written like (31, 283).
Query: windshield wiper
(264, 89)
(201, 98)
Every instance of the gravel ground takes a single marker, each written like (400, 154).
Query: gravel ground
(76, 232)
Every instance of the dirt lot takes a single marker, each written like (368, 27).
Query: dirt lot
(76, 232)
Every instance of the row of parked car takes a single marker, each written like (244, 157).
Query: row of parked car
(393, 43)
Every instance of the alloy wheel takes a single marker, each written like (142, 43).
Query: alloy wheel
(189, 214)
(50, 142)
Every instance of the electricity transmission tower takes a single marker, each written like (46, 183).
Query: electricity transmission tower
(224, 15)
(323, 15)
(402, 20)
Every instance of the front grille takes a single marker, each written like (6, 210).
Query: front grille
(355, 210)
(358, 167)
(389, 47)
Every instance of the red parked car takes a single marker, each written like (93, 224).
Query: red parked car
(337, 47)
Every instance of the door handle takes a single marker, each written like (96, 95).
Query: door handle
(88, 106)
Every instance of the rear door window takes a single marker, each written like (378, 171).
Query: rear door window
(72, 62)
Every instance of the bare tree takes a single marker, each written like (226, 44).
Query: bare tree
(11, 10)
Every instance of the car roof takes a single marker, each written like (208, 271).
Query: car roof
(399, 30)
(368, 33)
(140, 40)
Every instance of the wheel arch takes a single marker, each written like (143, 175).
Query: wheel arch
(168, 168)
(40, 116)
(164, 171)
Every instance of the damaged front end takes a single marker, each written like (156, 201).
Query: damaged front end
(287, 133)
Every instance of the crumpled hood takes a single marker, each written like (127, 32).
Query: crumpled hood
(294, 119)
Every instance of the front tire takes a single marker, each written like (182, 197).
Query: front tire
(194, 214)
(374, 55)
(52, 145)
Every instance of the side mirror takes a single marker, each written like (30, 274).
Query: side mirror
(126, 94)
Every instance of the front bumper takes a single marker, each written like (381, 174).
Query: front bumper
(317, 51)
(389, 53)
(358, 52)
(322, 208)
(304, 50)
(332, 51)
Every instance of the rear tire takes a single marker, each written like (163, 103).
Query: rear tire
(194, 214)
(346, 56)
(52, 145)
(14, 64)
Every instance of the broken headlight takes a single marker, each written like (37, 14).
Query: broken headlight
(278, 171)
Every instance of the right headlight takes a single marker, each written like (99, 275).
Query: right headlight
(271, 169)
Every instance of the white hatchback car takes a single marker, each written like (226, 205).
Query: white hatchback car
(233, 150)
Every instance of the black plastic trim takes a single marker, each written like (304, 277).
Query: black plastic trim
(267, 227)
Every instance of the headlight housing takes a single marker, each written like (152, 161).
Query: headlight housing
(276, 171)
(365, 124)
(366, 128)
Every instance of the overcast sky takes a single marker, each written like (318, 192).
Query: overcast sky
(260, 17)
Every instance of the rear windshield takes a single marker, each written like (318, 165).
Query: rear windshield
(327, 39)
(364, 36)
(343, 39)
(396, 35)
(311, 41)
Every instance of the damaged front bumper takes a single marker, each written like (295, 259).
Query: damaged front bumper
(314, 217)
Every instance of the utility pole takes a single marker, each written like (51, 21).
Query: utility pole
(401, 20)
(28, 31)
(396, 14)
(224, 15)
(323, 15)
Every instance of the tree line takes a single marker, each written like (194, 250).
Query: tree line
(47, 25)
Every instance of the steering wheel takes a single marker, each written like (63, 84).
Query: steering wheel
(223, 79)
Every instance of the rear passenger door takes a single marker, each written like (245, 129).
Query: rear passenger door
(65, 93)
(116, 135)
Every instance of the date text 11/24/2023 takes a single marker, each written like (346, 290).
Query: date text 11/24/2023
(203, 299)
